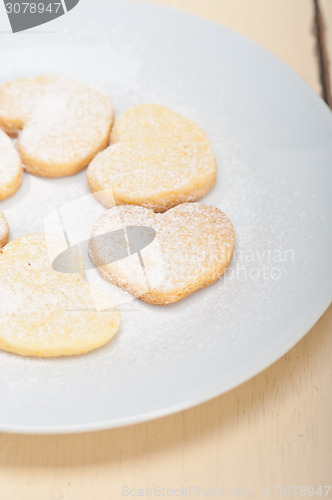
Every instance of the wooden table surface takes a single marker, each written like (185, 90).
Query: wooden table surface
(276, 429)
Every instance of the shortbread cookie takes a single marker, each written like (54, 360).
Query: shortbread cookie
(157, 159)
(44, 313)
(4, 230)
(61, 125)
(10, 167)
(192, 249)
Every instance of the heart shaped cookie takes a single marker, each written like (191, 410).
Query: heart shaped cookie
(61, 125)
(10, 167)
(157, 159)
(44, 313)
(193, 247)
(4, 230)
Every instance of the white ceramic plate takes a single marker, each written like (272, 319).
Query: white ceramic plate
(273, 140)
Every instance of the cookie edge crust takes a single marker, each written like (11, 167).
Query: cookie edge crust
(63, 351)
(160, 298)
(29, 349)
(4, 238)
(13, 186)
(196, 187)
(194, 191)
(14, 127)
(156, 296)
(44, 169)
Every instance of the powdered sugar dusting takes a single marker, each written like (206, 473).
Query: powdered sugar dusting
(64, 124)
(10, 166)
(44, 313)
(157, 159)
(193, 247)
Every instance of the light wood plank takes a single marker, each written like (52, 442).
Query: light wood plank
(284, 27)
